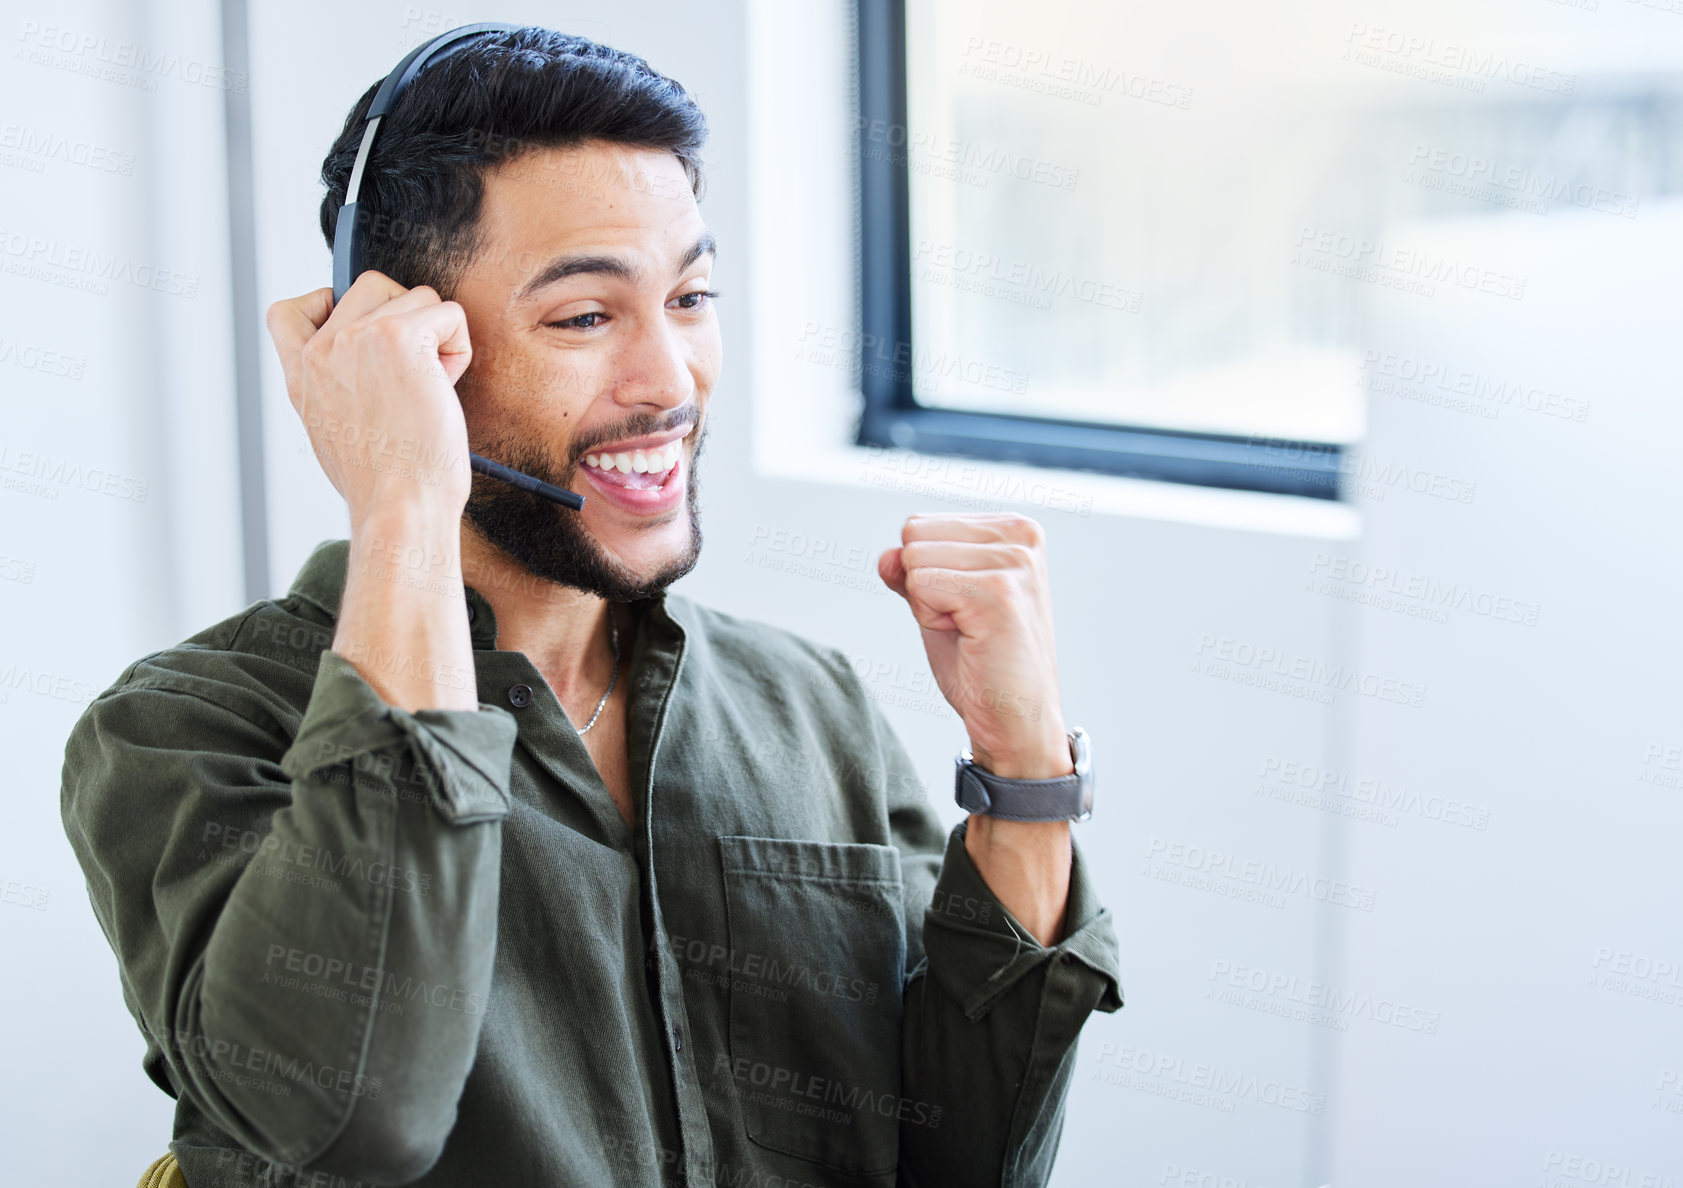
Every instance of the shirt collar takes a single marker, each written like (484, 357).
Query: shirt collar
(321, 582)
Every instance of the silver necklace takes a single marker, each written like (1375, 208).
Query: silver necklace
(615, 628)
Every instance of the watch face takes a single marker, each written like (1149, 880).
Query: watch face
(1080, 751)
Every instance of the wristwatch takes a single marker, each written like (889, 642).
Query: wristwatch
(1063, 798)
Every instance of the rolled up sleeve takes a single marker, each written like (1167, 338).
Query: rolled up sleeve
(347, 721)
(979, 952)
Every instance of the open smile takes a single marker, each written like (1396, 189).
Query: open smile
(643, 479)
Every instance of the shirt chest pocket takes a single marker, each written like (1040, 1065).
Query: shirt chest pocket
(817, 950)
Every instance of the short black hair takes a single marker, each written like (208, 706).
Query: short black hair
(500, 97)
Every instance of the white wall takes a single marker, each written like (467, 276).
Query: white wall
(1540, 937)
(118, 504)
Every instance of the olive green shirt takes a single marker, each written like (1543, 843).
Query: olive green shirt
(371, 945)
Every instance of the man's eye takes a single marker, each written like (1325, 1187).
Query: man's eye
(697, 299)
(581, 322)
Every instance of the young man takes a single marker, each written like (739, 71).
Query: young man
(478, 858)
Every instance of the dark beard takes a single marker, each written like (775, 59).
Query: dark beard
(550, 542)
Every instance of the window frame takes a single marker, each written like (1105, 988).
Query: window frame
(892, 417)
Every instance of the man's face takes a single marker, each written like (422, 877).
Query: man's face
(593, 339)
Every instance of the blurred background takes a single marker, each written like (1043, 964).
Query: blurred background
(1335, 344)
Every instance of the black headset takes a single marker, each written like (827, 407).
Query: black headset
(347, 232)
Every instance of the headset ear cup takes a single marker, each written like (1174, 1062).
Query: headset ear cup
(347, 251)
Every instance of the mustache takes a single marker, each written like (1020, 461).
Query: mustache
(685, 418)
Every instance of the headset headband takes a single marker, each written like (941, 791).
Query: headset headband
(347, 233)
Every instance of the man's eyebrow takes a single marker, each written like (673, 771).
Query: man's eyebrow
(562, 267)
(700, 248)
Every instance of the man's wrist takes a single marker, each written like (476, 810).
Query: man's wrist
(428, 522)
(1048, 759)
(1026, 864)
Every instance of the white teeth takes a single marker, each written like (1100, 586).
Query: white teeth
(654, 461)
(663, 459)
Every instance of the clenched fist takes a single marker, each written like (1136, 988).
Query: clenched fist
(373, 380)
(977, 586)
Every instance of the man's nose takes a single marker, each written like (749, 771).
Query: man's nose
(654, 367)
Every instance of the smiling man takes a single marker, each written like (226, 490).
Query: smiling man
(481, 859)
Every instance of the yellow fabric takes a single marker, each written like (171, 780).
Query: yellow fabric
(163, 1173)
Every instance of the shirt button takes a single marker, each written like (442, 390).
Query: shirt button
(520, 696)
(473, 613)
(677, 1041)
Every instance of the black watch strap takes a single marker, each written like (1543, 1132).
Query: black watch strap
(1062, 798)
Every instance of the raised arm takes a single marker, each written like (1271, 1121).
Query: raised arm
(303, 908)
(1018, 951)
